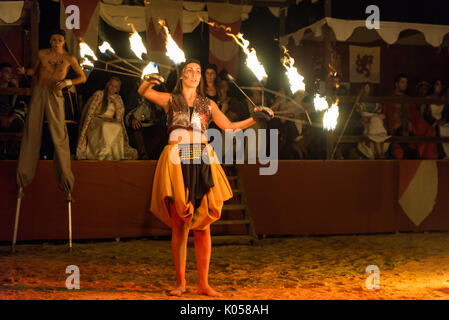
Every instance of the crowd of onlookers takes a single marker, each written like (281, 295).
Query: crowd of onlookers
(108, 129)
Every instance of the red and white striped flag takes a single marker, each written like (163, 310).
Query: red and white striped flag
(418, 188)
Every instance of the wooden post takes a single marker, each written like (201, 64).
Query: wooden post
(327, 59)
(34, 31)
(282, 20)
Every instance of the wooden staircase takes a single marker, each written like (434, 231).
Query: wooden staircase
(236, 206)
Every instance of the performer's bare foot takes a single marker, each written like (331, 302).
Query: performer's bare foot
(208, 291)
(178, 291)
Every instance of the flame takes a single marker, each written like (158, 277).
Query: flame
(136, 43)
(251, 61)
(150, 68)
(216, 25)
(330, 117)
(320, 103)
(173, 52)
(332, 72)
(86, 51)
(295, 79)
(251, 58)
(106, 47)
(86, 63)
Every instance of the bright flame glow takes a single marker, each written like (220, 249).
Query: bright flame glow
(106, 46)
(320, 103)
(86, 51)
(216, 25)
(86, 63)
(330, 117)
(295, 79)
(173, 52)
(150, 68)
(136, 43)
(251, 58)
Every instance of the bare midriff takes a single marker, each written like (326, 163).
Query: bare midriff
(181, 135)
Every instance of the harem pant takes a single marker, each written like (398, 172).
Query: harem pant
(45, 102)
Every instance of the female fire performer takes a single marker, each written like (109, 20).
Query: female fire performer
(190, 194)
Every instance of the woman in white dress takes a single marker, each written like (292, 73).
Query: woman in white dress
(103, 135)
(373, 120)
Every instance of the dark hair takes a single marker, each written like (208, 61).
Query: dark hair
(178, 87)
(5, 65)
(399, 76)
(371, 87)
(434, 82)
(212, 67)
(104, 102)
(57, 31)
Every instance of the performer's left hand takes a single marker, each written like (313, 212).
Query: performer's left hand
(60, 85)
(262, 114)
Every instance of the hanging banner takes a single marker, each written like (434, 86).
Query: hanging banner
(364, 64)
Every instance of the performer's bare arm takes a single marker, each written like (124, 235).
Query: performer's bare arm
(224, 123)
(31, 71)
(159, 98)
(81, 76)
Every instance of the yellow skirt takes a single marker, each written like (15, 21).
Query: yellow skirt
(168, 187)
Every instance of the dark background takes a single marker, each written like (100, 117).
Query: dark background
(261, 29)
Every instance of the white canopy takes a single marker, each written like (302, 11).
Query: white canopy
(11, 11)
(356, 31)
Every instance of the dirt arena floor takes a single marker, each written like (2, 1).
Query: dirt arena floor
(412, 266)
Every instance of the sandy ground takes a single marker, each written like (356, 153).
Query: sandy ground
(412, 266)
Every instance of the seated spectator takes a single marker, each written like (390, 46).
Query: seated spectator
(12, 111)
(314, 136)
(146, 122)
(256, 96)
(211, 83)
(372, 119)
(232, 107)
(437, 115)
(348, 118)
(444, 130)
(103, 135)
(416, 124)
(422, 88)
(291, 140)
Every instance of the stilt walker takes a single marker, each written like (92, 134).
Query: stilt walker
(51, 68)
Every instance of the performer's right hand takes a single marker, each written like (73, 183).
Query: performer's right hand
(153, 82)
(136, 124)
(27, 72)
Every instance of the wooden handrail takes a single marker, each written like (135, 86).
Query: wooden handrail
(16, 91)
(393, 99)
(398, 139)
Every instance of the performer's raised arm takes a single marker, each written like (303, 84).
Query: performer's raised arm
(225, 124)
(159, 98)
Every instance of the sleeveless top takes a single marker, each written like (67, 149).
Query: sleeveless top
(180, 115)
